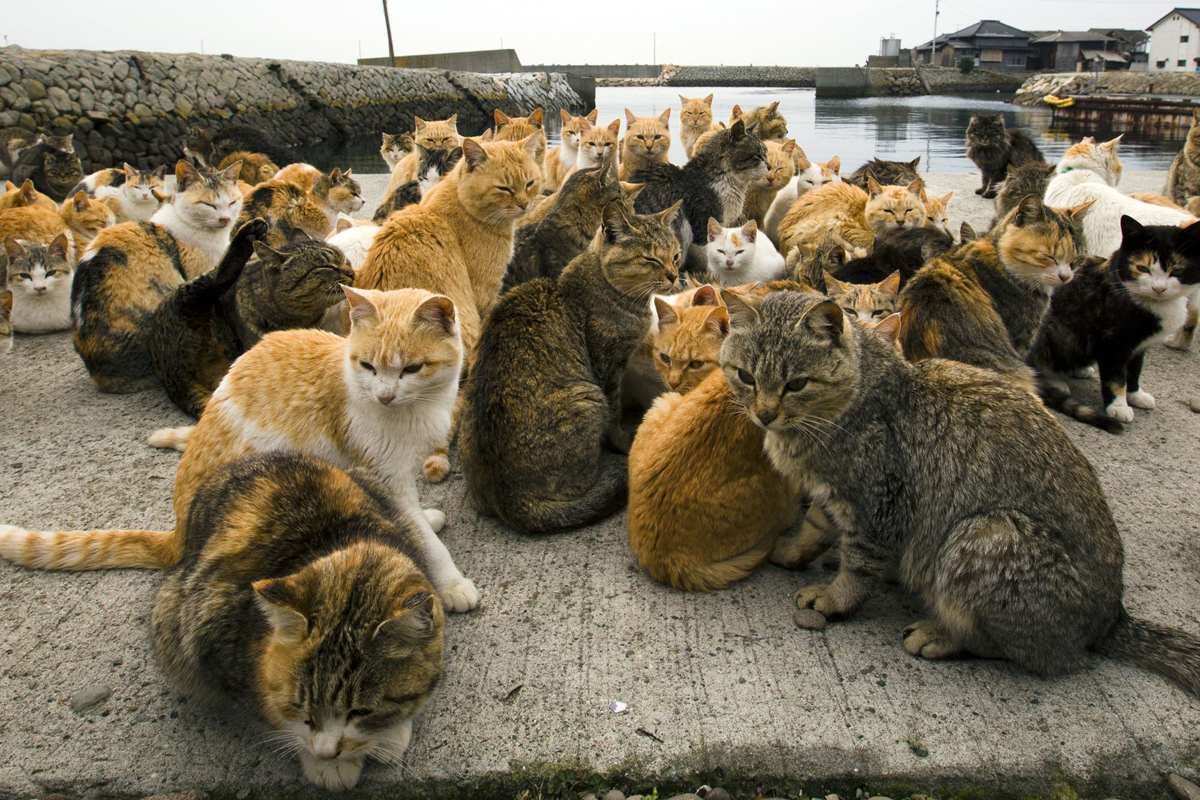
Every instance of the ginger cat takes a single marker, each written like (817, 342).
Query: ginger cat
(516, 129)
(781, 167)
(695, 120)
(435, 133)
(936, 215)
(561, 158)
(647, 141)
(79, 218)
(379, 399)
(686, 346)
(850, 214)
(24, 195)
(596, 143)
(809, 175)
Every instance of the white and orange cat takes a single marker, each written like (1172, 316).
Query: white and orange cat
(809, 175)
(561, 158)
(850, 215)
(741, 255)
(647, 141)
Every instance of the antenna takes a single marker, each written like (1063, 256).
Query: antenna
(933, 44)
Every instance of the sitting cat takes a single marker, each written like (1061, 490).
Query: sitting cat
(647, 141)
(887, 173)
(24, 195)
(434, 133)
(543, 395)
(1014, 550)
(996, 150)
(395, 146)
(739, 255)
(850, 214)
(596, 143)
(1115, 309)
(39, 277)
(1031, 178)
(52, 164)
(809, 175)
(286, 208)
(1183, 180)
(13, 140)
(132, 267)
(936, 215)
(6, 328)
(771, 125)
(302, 596)
(433, 164)
(781, 168)
(695, 119)
(561, 158)
(712, 184)
(869, 303)
(132, 194)
(685, 340)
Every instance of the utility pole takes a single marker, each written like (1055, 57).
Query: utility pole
(933, 44)
(655, 51)
(388, 24)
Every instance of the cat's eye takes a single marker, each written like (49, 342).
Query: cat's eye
(367, 367)
(851, 310)
(211, 205)
(657, 137)
(50, 273)
(652, 261)
(640, 138)
(529, 185)
(739, 252)
(722, 252)
(745, 377)
(795, 384)
(697, 364)
(413, 368)
(505, 189)
(879, 314)
(666, 359)
(359, 713)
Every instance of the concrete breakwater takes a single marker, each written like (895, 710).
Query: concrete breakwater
(1185, 84)
(136, 107)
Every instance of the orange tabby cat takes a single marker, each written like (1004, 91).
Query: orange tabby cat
(436, 133)
(848, 213)
(647, 141)
(80, 218)
(781, 167)
(695, 120)
(936, 215)
(687, 345)
(24, 195)
(516, 129)
(597, 142)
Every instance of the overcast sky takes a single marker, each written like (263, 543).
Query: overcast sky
(786, 32)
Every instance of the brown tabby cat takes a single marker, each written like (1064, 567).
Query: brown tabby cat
(868, 303)
(647, 141)
(771, 124)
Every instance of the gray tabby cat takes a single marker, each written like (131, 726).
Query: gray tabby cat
(1014, 548)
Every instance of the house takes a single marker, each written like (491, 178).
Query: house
(1078, 51)
(989, 43)
(1175, 42)
(1134, 44)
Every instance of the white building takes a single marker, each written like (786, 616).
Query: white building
(1175, 42)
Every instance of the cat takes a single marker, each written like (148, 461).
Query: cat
(24, 195)
(79, 217)
(712, 184)
(337, 193)
(771, 125)
(647, 141)
(130, 268)
(543, 396)
(869, 303)
(809, 175)
(995, 150)
(207, 323)
(197, 145)
(739, 255)
(561, 158)
(1089, 172)
(395, 146)
(852, 214)
(53, 166)
(135, 194)
(13, 140)
(433, 164)
(887, 173)
(6, 328)
(434, 133)
(695, 119)
(596, 143)
(685, 340)
(936, 215)
(1031, 178)
(781, 168)
(544, 249)
(1013, 549)
(904, 251)
(256, 167)
(233, 138)
(516, 129)
(984, 303)
(85, 218)
(1115, 309)
(39, 277)
(286, 207)
(1183, 179)
(302, 597)
(353, 238)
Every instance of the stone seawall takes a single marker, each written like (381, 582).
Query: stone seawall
(136, 107)
(792, 77)
(1186, 84)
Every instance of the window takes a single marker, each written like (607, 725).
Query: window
(1015, 61)
(1181, 63)
(1161, 64)
(1183, 39)
(991, 56)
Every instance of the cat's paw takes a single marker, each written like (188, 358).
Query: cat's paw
(795, 552)
(1182, 339)
(459, 595)
(252, 231)
(820, 599)
(979, 190)
(1084, 373)
(437, 466)
(1140, 399)
(926, 639)
(335, 774)
(436, 519)
(1119, 410)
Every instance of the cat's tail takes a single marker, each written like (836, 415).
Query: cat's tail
(1168, 651)
(607, 496)
(171, 438)
(1063, 402)
(707, 577)
(80, 550)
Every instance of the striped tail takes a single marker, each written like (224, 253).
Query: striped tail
(80, 550)
(171, 438)
(1063, 402)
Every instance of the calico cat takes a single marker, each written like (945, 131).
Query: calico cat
(561, 158)
(256, 167)
(647, 141)
(771, 125)
(39, 277)
(133, 194)
(543, 395)
(433, 164)
(24, 195)
(739, 255)
(207, 323)
(712, 184)
(995, 150)
(434, 133)
(286, 208)
(887, 173)
(300, 595)
(1031, 178)
(132, 267)
(850, 214)
(983, 303)
(1014, 550)
(1117, 308)
(781, 168)
(685, 341)
(52, 164)
(809, 175)
(596, 143)
(395, 147)
(1183, 180)
(337, 193)
(695, 119)
(865, 302)
(6, 328)
(544, 249)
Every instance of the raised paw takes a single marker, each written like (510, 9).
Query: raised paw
(819, 599)
(437, 466)
(1119, 410)
(925, 639)
(437, 520)
(1140, 399)
(333, 774)
(460, 595)
(252, 231)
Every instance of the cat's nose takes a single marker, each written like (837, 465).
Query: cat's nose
(766, 417)
(42, 289)
(1065, 274)
(1157, 290)
(385, 397)
(327, 746)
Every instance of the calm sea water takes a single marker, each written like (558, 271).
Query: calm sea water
(856, 130)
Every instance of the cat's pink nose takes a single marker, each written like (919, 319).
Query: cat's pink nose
(386, 397)
(42, 289)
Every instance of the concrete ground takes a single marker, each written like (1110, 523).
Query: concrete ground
(716, 684)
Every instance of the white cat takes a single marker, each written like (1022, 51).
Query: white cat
(40, 279)
(739, 255)
(353, 237)
(809, 175)
(1089, 173)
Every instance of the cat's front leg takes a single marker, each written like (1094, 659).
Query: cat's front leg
(1133, 388)
(840, 599)
(457, 592)
(333, 774)
(817, 534)
(1112, 389)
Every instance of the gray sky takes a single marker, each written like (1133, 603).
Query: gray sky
(799, 33)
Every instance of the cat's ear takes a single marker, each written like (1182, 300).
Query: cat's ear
(361, 308)
(1112, 144)
(630, 117)
(1029, 211)
(452, 121)
(708, 100)
(833, 283)
(1131, 230)
(535, 119)
(873, 187)
(412, 626)
(632, 189)
(827, 321)
(668, 216)
(835, 164)
(9, 186)
(335, 175)
(915, 163)
(615, 223)
(683, 101)
(437, 311)
(966, 233)
(890, 284)
(773, 108)
(231, 172)
(343, 223)
(186, 175)
(750, 231)
(735, 113)
(60, 246)
(789, 147)
(13, 249)
(945, 199)
(280, 601)
(473, 154)
(802, 164)
(665, 117)
(737, 130)
(667, 313)
(742, 309)
(1077, 213)
(530, 144)
(566, 118)
(714, 229)
(269, 256)
(80, 201)
(592, 115)
(298, 235)
(614, 127)
(889, 327)
(917, 187)
(129, 170)
(159, 171)
(418, 124)
(453, 157)
(486, 136)
(717, 321)
(608, 167)
(706, 295)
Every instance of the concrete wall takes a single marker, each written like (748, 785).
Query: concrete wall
(468, 61)
(602, 70)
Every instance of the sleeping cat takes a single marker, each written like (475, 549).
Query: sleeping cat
(739, 255)
(850, 214)
(1014, 549)
(132, 194)
(865, 302)
(996, 150)
(596, 143)
(1117, 308)
(561, 158)
(24, 195)
(6, 328)
(130, 268)
(435, 133)
(301, 596)
(286, 208)
(887, 173)
(809, 175)
(647, 141)
(695, 119)
(395, 146)
(433, 164)
(543, 395)
(39, 277)
(781, 168)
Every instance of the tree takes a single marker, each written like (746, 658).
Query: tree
(966, 65)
